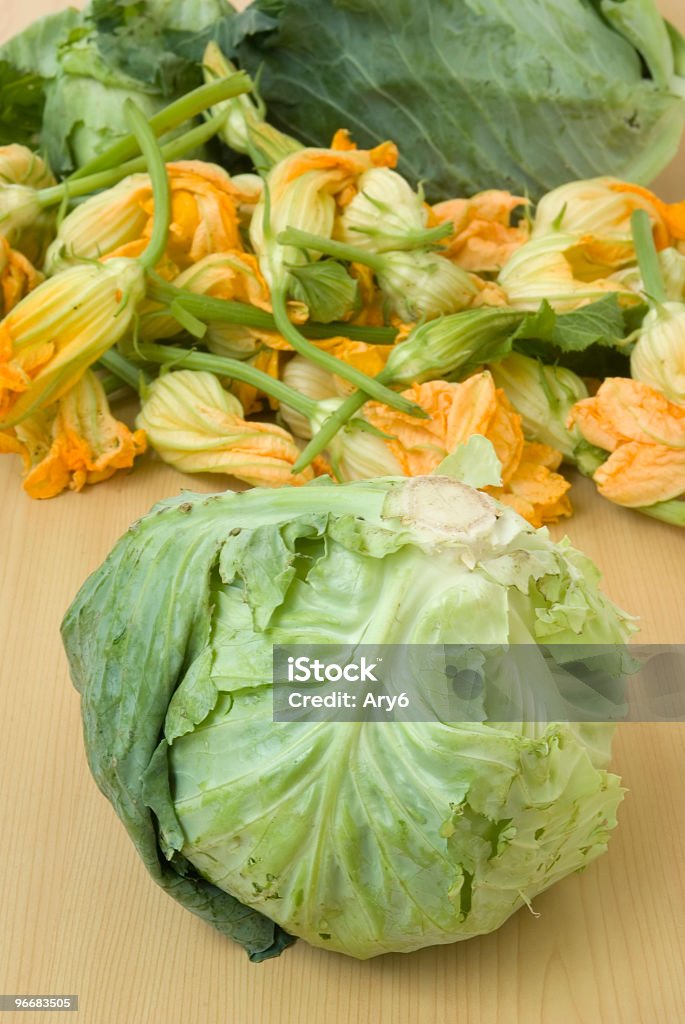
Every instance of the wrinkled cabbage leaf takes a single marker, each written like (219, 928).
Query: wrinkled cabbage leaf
(358, 837)
(477, 93)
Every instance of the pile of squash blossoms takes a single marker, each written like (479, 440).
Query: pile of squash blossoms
(318, 316)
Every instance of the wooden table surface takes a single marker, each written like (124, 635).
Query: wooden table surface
(79, 915)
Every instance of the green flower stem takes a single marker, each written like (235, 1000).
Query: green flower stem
(123, 369)
(161, 189)
(672, 512)
(647, 257)
(106, 179)
(176, 113)
(225, 367)
(351, 253)
(330, 427)
(372, 386)
(112, 384)
(338, 250)
(211, 310)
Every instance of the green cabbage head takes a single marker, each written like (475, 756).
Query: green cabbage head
(359, 837)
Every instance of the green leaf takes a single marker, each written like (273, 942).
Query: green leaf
(476, 95)
(22, 98)
(474, 463)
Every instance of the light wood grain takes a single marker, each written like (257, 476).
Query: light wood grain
(79, 914)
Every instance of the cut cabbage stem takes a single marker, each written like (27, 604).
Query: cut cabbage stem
(178, 147)
(161, 190)
(648, 258)
(223, 366)
(213, 310)
(373, 387)
(348, 253)
(176, 113)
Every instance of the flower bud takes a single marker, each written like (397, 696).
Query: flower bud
(601, 207)
(311, 381)
(61, 328)
(566, 270)
(658, 358)
(356, 452)
(23, 221)
(452, 345)
(75, 442)
(198, 427)
(302, 190)
(20, 166)
(385, 214)
(101, 224)
(423, 284)
(543, 397)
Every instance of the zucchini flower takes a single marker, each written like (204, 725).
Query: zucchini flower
(459, 411)
(245, 129)
(75, 442)
(452, 345)
(423, 285)
(568, 271)
(658, 358)
(543, 397)
(302, 192)
(385, 214)
(118, 222)
(309, 380)
(198, 427)
(20, 166)
(420, 284)
(601, 208)
(483, 237)
(644, 435)
(62, 327)
(17, 277)
(357, 452)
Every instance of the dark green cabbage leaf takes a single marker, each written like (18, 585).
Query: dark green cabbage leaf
(477, 93)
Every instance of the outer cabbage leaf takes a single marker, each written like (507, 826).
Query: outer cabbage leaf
(365, 837)
(477, 93)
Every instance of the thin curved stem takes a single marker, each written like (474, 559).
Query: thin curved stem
(178, 147)
(161, 190)
(647, 257)
(175, 113)
(371, 386)
(225, 367)
(213, 310)
(123, 369)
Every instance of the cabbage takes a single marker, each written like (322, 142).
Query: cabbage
(477, 94)
(358, 837)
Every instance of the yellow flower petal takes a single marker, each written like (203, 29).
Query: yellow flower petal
(198, 427)
(638, 474)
